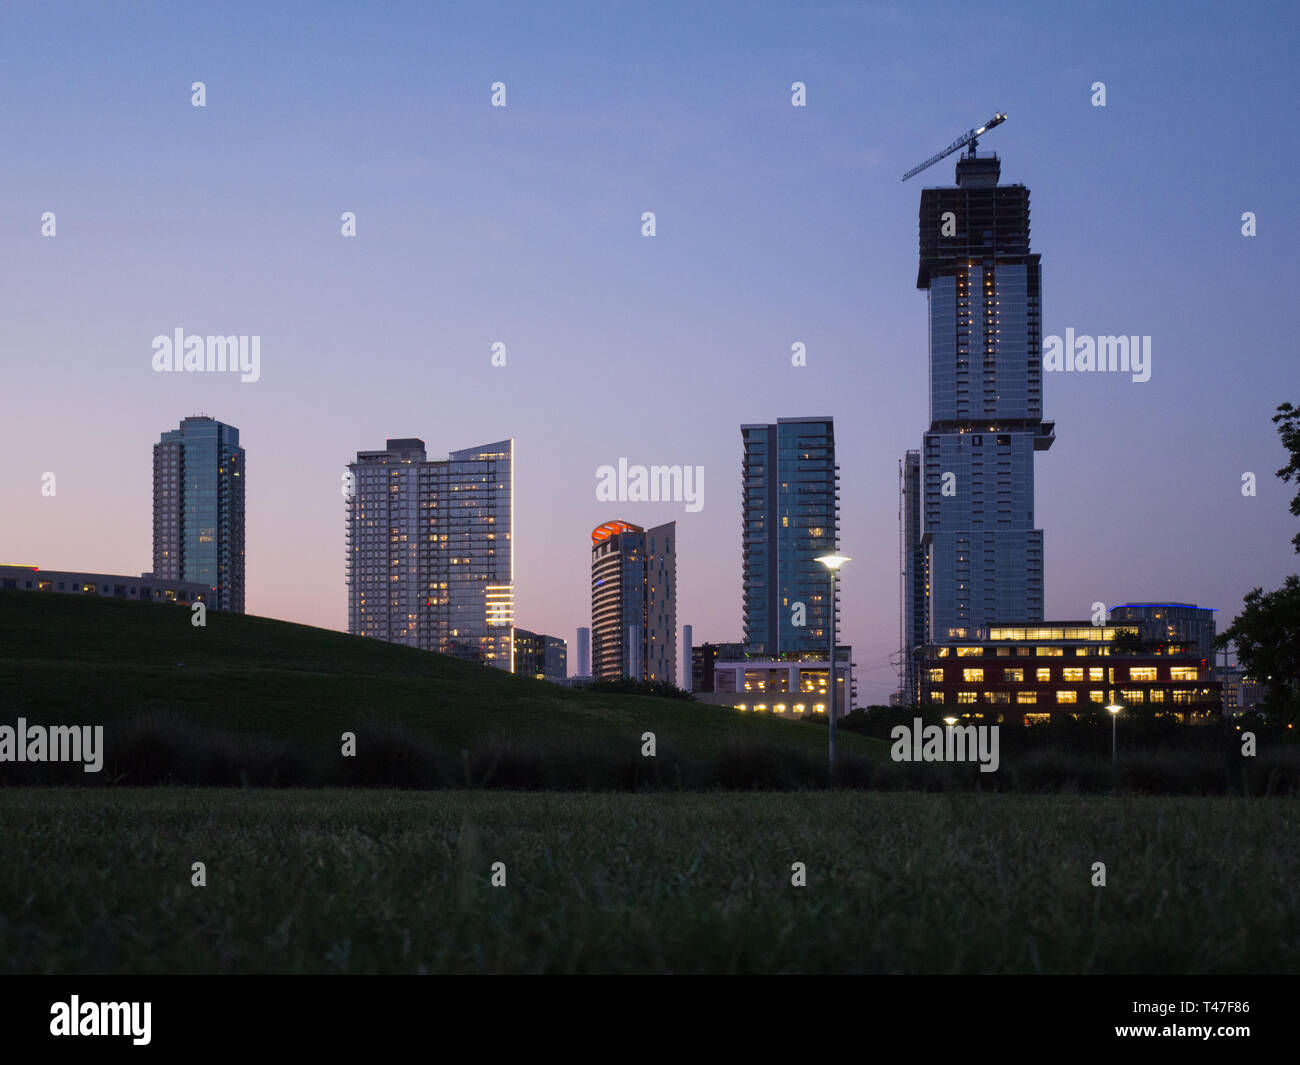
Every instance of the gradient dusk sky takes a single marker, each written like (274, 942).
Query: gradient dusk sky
(522, 225)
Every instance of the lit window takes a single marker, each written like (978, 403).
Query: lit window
(1072, 674)
(1181, 673)
(1145, 673)
(1096, 673)
(967, 697)
(1067, 697)
(1096, 696)
(1026, 697)
(969, 675)
(1044, 673)
(1013, 674)
(936, 675)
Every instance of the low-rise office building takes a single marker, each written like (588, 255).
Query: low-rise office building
(1027, 674)
(794, 684)
(541, 656)
(146, 587)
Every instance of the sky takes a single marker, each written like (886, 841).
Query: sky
(522, 225)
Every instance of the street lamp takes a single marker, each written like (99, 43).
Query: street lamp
(950, 721)
(833, 562)
(1114, 709)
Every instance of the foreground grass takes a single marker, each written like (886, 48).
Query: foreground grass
(98, 881)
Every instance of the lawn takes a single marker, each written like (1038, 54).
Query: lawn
(88, 660)
(99, 881)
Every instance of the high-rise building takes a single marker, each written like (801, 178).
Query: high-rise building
(198, 509)
(915, 577)
(430, 554)
(634, 602)
(687, 658)
(983, 554)
(584, 652)
(790, 489)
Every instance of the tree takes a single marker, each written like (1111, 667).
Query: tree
(1127, 642)
(1267, 631)
(1287, 419)
(1267, 635)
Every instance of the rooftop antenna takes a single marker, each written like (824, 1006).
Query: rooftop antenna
(969, 137)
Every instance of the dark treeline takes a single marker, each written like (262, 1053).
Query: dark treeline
(162, 749)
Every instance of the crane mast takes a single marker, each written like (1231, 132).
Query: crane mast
(969, 137)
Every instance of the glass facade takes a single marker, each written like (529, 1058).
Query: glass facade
(198, 509)
(790, 485)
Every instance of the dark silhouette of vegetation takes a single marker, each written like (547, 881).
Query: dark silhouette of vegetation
(628, 686)
(1128, 642)
(1266, 634)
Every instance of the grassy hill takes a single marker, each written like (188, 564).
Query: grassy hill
(280, 695)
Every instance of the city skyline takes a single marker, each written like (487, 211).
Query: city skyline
(521, 226)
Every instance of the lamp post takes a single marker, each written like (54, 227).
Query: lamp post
(1114, 709)
(832, 562)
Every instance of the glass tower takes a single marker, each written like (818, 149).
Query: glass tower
(430, 559)
(983, 555)
(790, 492)
(198, 509)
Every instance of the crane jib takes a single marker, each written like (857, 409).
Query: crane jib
(966, 138)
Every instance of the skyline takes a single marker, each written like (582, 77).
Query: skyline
(776, 226)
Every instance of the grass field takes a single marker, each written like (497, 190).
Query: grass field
(99, 881)
(250, 691)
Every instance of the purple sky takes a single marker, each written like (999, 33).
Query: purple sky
(522, 225)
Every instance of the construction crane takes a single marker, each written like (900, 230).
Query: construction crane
(965, 138)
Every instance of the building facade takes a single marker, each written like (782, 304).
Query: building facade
(198, 509)
(1038, 672)
(634, 602)
(705, 656)
(584, 652)
(146, 587)
(790, 493)
(983, 554)
(541, 656)
(793, 684)
(430, 558)
(1241, 692)
(913, 575)
(1159, 625)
